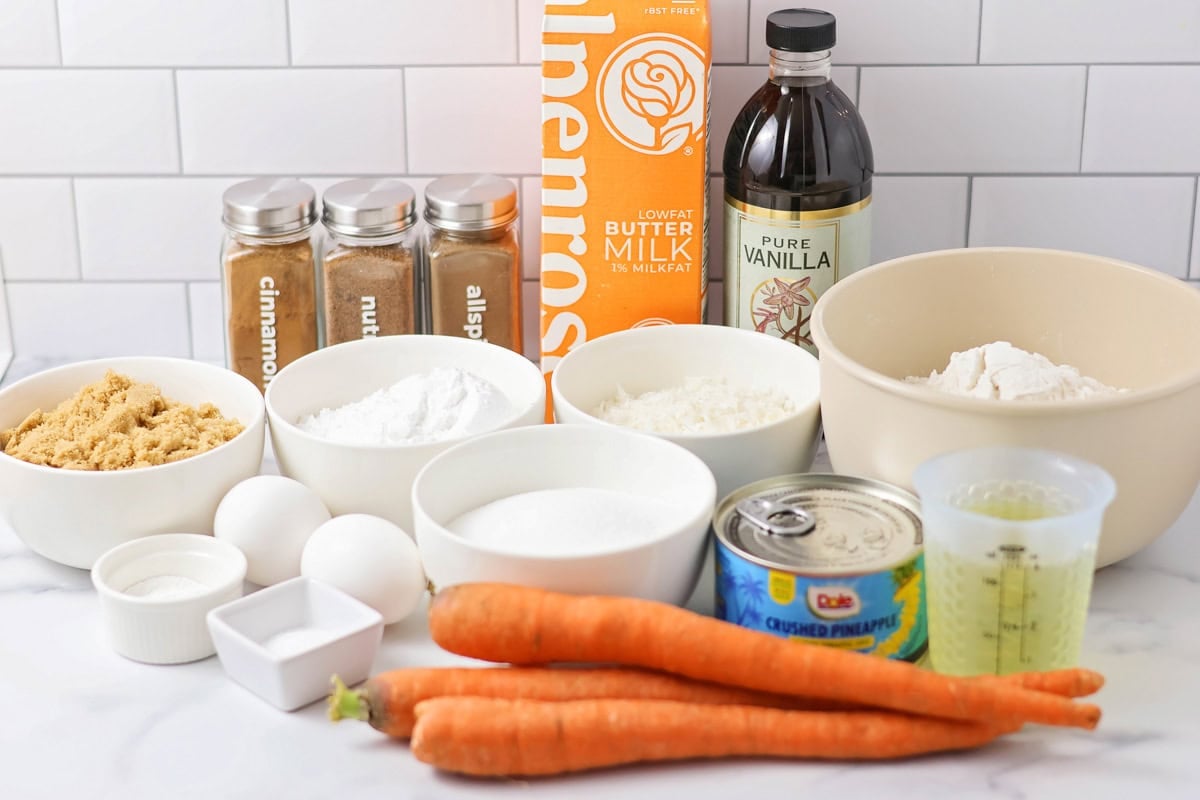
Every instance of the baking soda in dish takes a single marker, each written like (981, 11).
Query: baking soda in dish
(1003, 372)
(165, 587)
(446, 403)
(700, 405)
(566, 522)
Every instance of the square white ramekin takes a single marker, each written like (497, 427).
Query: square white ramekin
(286, 642)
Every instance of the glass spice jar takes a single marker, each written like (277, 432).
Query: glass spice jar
(473, 259)
(269, 276)
(368, 264)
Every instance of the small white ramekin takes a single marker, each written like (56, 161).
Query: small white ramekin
(332, 634)
(166, 628)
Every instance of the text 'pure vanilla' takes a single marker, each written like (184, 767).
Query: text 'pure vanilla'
(624, 168)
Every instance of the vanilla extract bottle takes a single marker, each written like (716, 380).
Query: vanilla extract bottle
(798, 168)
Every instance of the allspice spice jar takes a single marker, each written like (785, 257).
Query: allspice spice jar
(473, 259)
(269, 276)
(368, 261)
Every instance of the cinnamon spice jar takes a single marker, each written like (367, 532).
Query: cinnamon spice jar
(269, 276)
(368, 261)
(473, 259)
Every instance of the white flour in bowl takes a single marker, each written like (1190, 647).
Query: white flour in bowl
(1003, 372)
(445, 403)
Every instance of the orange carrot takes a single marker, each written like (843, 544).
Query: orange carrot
(522, 625)
(1074, 682)
(493, 737)
(386, 701)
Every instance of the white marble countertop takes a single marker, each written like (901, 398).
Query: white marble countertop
(77, 720)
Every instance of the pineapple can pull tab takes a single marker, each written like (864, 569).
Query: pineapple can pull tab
(825, 559)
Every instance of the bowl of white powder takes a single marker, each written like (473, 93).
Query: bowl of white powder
(583, 509)
(356, 422)
(745, 403)
(1082, 354)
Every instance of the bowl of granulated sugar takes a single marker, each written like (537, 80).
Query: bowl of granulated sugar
(591, 510)
(356, 422)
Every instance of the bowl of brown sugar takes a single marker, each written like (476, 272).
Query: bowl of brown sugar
(101, 452)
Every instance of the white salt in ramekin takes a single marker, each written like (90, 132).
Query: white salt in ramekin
(163, 628)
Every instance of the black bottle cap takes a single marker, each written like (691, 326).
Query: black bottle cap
(801, 30)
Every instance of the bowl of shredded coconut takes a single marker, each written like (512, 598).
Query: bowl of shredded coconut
(977, 347)
(745, 403)
(356, 422)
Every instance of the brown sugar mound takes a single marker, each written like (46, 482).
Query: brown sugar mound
(117, 423)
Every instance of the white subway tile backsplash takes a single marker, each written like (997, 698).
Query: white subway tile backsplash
(716, 228)
(887, 31)
(732, 87)
(37, 229)
(916, 215)
(87, 121)
(332, 121)
(1098, 31)
(151, 229)
(387, 32)
(531, 318)
(93, 320)
(1194, 271)
(716, 303)
(207, 321)
(529, 30)
(474, 119)
(728, 21)
(188, 33)
(1144, 220)
(28, 34)
(1142, 119)
(974, 119)
(531, 228)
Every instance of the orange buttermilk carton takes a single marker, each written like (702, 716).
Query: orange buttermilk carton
(625, 87)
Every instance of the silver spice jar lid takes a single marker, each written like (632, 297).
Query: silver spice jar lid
(270, 207)
(369, 207)
(470, 202)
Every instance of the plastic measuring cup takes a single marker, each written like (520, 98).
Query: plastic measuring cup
(1010, 548)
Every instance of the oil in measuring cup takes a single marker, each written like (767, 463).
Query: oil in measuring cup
(1010, 547)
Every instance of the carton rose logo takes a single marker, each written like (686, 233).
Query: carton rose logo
(651, 94)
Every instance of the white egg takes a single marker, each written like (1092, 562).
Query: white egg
(269, 518)
(369, 558)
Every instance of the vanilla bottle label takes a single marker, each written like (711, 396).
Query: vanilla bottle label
(777, 263)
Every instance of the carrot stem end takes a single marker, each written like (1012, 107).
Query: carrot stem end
(347, 703)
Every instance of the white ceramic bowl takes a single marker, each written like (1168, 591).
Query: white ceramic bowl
(377, 479)
(285, 642)
(155, 593)
(71, 517)
(644, 359)
(1124, 325)
(512, 462)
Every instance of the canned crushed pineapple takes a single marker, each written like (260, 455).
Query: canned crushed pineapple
(826, 559)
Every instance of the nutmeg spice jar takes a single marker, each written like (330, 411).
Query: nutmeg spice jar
(473, 259)
(269, 276)
(368, 261)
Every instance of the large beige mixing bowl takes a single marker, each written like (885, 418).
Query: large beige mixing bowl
(1125, 325)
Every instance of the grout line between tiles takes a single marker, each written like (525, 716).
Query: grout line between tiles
(58, 31)
(495, 64)
(1193, 262)
(967, 219)
(407, 117)
(287, 30)
(1087, 74)
(178, 123)
(516, 30)
(187, 317)
(78, 230)
(979, 35)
